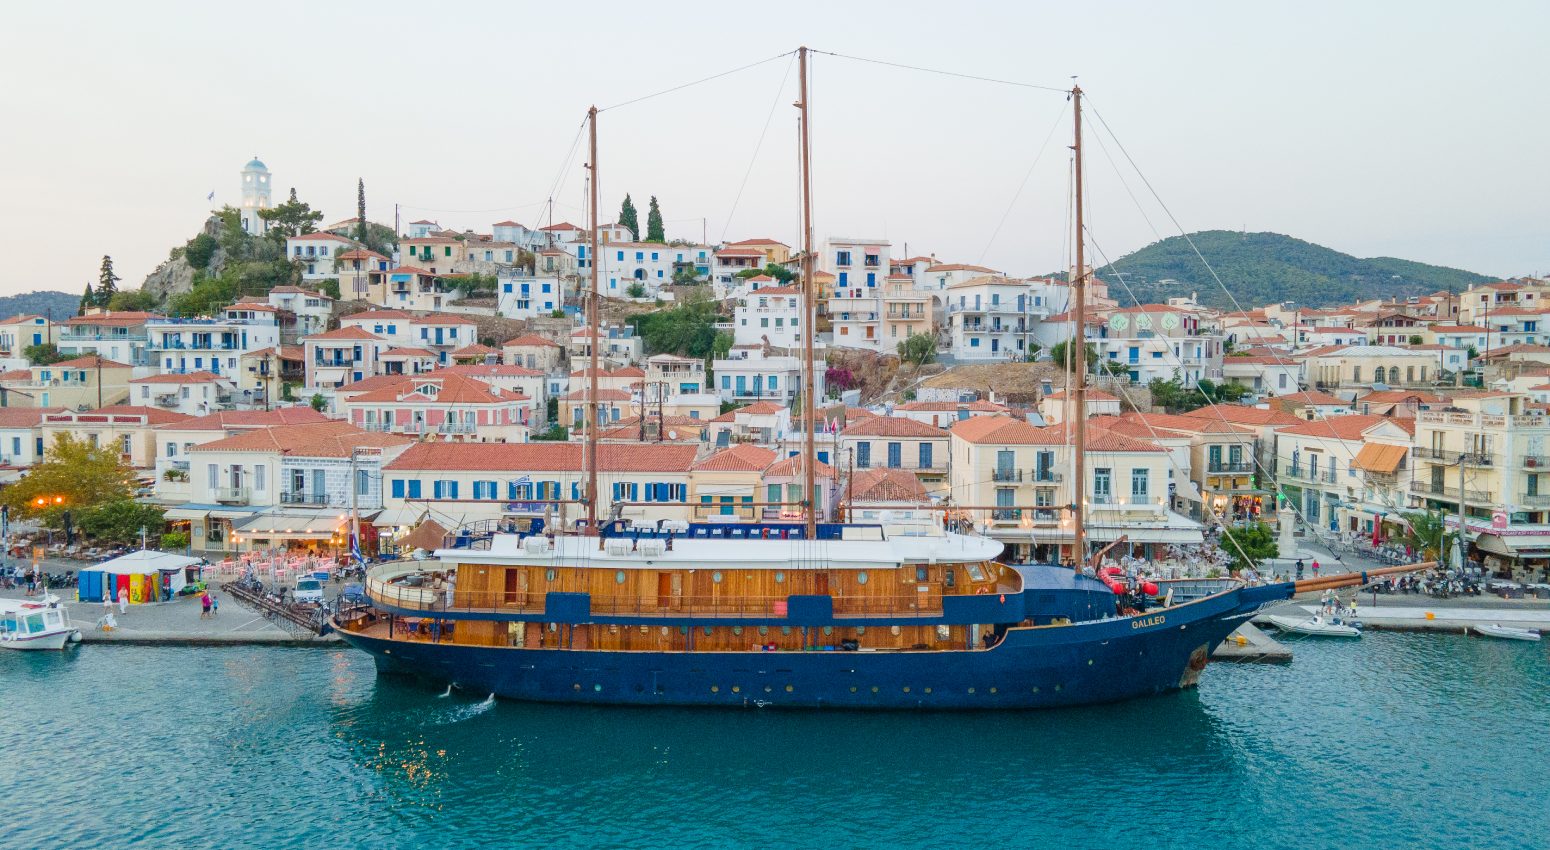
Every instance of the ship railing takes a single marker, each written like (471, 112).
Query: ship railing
(431, 599)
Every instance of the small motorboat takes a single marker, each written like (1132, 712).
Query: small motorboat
(1316, 625)
(1506, 632)
(42, 624)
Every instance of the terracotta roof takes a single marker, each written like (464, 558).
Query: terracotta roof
(452, 388)
(564, 225)
(153, 415)
(1313, 397)
(1348, 427)
(602, 394)
(760, 408)
(475, 350)
(16, 376)
(978, 406)
(792, 466)
(402, 351)
(1100, 440)
(507, 223)
(187, 378)
(359, 254)
(625, 372)
(885, 485)
(350, 332)
(1378, 457)
(1002, 430)
(1241, 415)
(492, 370)
(892, 426)
(745, 457)
(1395, 396)
(543, 457)
(25, 417)
(759, 242)
(776, 290)
(114, 319)
(960, 267)
(329, 438)
(1189, 424)
(530, 340)
(16, 320)
(90, 361)
(229, 420)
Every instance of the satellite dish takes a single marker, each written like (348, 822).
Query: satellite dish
(672, 435)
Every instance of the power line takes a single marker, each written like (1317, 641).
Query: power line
(1019, 193)
(697, 82)
(754, 158)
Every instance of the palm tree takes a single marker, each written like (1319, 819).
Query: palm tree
(1427, 534)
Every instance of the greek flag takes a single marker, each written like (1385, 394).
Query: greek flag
(210, 197)
(523, 480)
(355, 547)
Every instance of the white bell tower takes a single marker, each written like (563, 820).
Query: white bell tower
(255, 196)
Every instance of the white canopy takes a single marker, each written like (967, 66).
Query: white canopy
(142, 562)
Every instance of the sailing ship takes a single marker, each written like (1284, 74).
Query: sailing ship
(810, 614)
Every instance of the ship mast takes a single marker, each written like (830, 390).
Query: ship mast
(1078, 353)
(809, 380)
(590, 420)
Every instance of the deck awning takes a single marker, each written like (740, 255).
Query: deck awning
(1377, 457)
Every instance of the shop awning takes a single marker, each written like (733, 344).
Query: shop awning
(394, 517)
(1174, 529)
(294, 525)
(192, 511)
(1377, 457)
(1515, 545)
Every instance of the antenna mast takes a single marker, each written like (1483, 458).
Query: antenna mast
(1079, 354)
(810, 379)
(590, 420)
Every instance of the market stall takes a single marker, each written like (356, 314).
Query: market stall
(146, 576)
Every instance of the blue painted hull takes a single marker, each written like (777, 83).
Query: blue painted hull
(1044, 667)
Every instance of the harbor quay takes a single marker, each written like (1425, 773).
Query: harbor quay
(178, 622)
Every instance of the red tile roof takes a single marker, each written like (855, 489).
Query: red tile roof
(530, 340)
(349, 332)
(452, 388)
(892, 426)
(90, 361)
(188, 378)
(885, 485)
(792, 466)
(543, 457)
(1241, 415)
(232, 420)
(745, 457)
(1348, 427)
(26, 417)
(153, 415)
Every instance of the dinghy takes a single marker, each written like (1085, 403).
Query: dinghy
(1506, 632)
(1315, 625)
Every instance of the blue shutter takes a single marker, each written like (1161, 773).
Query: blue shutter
(436, 489)
(414, 489)
(452, 489)
(398, 488)
(925, 455)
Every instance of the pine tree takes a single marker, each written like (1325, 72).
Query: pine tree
(628, 218)
(107, 282)
(360, 210)
(87, 300)
(654, 229)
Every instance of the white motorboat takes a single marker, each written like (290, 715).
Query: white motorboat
(41, 624)
(1506, 632)
(1315, 625)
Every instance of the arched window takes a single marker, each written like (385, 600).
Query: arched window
(1394, 375)
(1356, 375)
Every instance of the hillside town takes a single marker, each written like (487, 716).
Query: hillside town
(379, 390)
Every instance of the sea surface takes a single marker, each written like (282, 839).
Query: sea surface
(1392, 741)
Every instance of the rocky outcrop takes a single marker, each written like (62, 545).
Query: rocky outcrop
(176, 276)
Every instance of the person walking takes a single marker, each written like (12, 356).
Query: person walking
(1315, 567)
(215, 605)
(204, 602)
(123, 601)
(107, 604)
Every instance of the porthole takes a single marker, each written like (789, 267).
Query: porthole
(1035, 688)
(860, 630)
(716, 577)
(906, 688)
(548, 575)
(780, 578)
(576, 687)
(874, 689)
(737, 689)
(554, 627)
(737, 630)
(597, 688)
(619, 577)
(852, 688)
(828, 630)
(894, 630)
(992, 690)
(664, 631)
(928, 690)
(764, 630)
(683, 630)
(715, 689)
(1057, 687)
(785, 630)
(861, 577)
(971, 690)
(768, 689)
(707, 631)
(789, 689)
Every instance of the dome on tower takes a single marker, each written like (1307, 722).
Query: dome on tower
(255, 165)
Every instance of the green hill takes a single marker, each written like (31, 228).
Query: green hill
(61, 305)
(1264, 268)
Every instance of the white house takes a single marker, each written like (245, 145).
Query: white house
(214, 345)
(311, 309)
(522, 296)
(991, 318)
(749, 375)
(316, 252)
(769, 315)
(191, 393)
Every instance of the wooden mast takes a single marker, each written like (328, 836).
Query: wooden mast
(809, 379)
(590, 419)
(1079, 354)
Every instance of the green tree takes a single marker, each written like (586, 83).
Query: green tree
(329, 287)
(292, 218)
(919, 349)
(1170, 395)
(1057, 354)
(43, 354)
(174, 540)
(120, 521)
(556, 433)
(1415, 339)
(1428, 535)
(88, 301)
(1213, 393)
(636, 290)
(655, 232)
(107, 282)
(133, 300)
(1249, 545)
(318, 402)
(688, 329)
(200, 250)
(629, 218)
(362, 229)
(73, 475)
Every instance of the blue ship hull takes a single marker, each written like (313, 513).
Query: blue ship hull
(1038, 667)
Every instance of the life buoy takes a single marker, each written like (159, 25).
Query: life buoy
(1003, 599)
(982, 590)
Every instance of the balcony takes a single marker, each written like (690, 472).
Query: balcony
(1011, 475)
(457, 428)
(302, 497)
(1535, 462)
(1044, 476)
(1445, 456)
(1229, 467)
(82, 336)
(1424, 488)
(231, 495)
(1535, 500)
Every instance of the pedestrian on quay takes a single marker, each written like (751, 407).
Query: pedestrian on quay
(1299, 569)
(204, 601)
(123, 601)
(107, 604)
(215, 605)
(1315, 567)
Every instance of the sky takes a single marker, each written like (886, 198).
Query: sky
(1406, 129)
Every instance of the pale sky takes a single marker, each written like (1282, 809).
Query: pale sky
(1407, 129)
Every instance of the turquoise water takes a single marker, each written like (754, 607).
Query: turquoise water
(1396, 740)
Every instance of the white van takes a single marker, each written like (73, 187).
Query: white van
(308, 589)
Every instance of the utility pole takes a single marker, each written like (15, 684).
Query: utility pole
(809, 379)
(1460, 549)
(590, 451)
(1079, 352)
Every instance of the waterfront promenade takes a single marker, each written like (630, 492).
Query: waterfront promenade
(178, 622)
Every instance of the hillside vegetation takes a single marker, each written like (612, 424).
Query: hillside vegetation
(62, 304)
(1264, 268)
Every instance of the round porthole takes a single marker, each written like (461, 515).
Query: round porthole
(548, 575)
(737, 630)
(874, 689)
(894, 630)
(619, 577)
(597, 688)
(860, 630)
(852, 688)
(715, 577)
(707, 631)
(780, 578)
(764, 630)
(906, 688)
(861, 577)
(683, 630)
(785, 630)
(789, 689)
(715, 689)
(928, 690)
(737, 689)
(828, 630)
